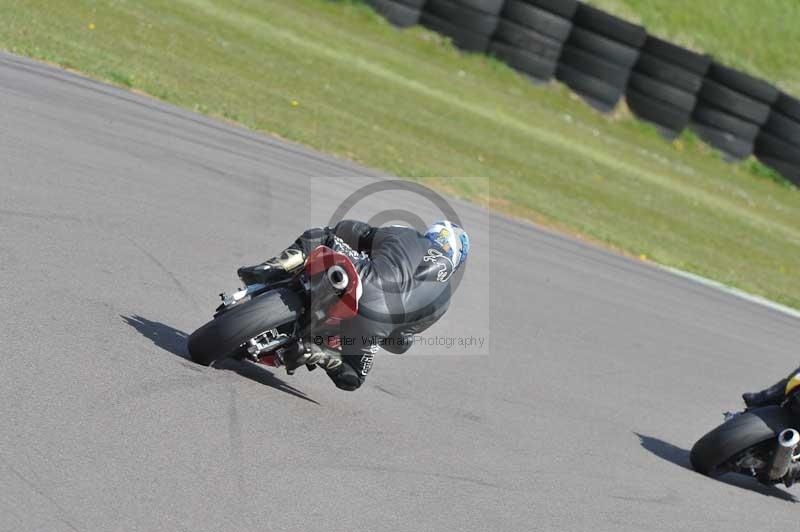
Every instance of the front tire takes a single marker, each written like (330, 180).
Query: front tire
(223, 335)
(713, 452)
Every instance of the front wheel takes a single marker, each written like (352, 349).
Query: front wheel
(719, 451)
(223, 335)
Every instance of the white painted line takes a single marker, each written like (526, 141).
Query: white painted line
(733, 291)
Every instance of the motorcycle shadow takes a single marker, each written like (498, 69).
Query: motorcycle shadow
(680, 457)
(173, 341)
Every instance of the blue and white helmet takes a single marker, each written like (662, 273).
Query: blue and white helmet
(452, 239)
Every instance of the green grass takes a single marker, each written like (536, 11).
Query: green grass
(407, 102)
(758, 36)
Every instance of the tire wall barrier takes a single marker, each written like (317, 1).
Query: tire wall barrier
(604, 58)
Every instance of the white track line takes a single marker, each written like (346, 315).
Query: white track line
(733, 291)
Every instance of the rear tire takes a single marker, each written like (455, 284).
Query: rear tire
(223, 335)
(711, 454)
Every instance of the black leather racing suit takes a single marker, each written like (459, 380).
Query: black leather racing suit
(406, 289)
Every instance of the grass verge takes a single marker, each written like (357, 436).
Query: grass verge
(335, 76)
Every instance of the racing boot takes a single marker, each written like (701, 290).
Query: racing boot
(326, 359)
(273, 269)
(310, 355)
(770, 396)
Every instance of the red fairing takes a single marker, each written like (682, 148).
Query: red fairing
(323, 258)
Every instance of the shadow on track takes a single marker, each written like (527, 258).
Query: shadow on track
(173, 341)
(680, 457)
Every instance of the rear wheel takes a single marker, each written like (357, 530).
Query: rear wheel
(222, 336)
(743, 438)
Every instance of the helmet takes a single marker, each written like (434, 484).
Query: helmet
(452, 239)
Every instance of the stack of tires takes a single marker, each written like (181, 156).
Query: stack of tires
(469, 23)
(778, 143)
(664, 85)
(731, 110)
(531, 33)
(599, 55)
(401, 13)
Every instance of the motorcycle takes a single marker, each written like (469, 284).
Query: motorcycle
(272, 324)
(759, 442)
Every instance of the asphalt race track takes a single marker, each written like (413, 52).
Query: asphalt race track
(121, 218)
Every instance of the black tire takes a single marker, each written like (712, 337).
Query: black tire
(661, 91)
(744, 83)
(533, 64)
(562, 8)
(223, 335)
(537, 19)
(783, 127)
(771, 146)
(710, 116)
(462, 16)
(595, 66)
(464, 39)
(713, 451)
(725, 142)
(668, 73)
(788, 170)
(677, 55)
(398, 14)
(788, 105)
(734, 102)
(612, 27)
(608, 49)
(416, 4)
(527, 40)
(597, 91)
(491, 7)
(656, 111)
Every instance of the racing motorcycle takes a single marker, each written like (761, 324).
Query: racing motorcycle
(272, 324)
(759, 442)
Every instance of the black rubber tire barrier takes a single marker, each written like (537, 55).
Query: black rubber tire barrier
(416, 4)
(562, 8)
(783, 127)
(617, 53)
(716, 118)
(588, 86)
(788, 170)
(224, 334)
(656, 111)
(491, 7)
(734, 102)
(397, 13)
(788, 105)
(464, 39)
(661, 91)
(669, 73)
(771, 146)
(527, 62)
(715, 449)
(677, 55)
(463, 17)
(527, 40)
(755, 88)
(606, 24)
(596, 67)
(537, 19)
(724, 141)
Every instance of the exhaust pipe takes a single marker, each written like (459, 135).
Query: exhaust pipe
(787, 443)
(338, 277)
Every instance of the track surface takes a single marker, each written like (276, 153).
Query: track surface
(121, 218)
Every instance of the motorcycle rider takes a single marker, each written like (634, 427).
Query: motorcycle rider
(405, 278)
